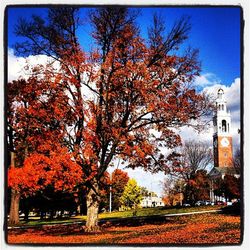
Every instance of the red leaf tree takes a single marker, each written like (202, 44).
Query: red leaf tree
(35, 139)
(121, 92)
(119, 181)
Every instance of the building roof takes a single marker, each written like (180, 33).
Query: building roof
(223, 171)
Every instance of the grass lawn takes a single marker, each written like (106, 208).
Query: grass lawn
(210, 228)
(155, 211)
(123, 214)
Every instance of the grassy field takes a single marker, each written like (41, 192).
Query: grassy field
(35, 221)
(156, 211)
(209, 228)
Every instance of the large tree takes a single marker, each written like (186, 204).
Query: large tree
(35, 129)
(173, 188)
(193, 157)
(198, 187)
(120, 92)
(229, 187)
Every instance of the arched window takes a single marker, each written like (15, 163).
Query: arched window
(220, 93)
(219, 106)
(222, 107)
(224, 126)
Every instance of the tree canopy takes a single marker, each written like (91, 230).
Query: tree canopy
(108, 102)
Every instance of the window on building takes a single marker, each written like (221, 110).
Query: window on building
(224, 126)
(222, 107)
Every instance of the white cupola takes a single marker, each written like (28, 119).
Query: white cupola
(222, 116)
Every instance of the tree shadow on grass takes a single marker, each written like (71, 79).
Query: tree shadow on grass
(125, 231)
(234, 209)
(136, 221)
(78, 229)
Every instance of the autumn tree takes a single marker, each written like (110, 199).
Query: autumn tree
(35, 126)
(120, 91)
(237, 161)
(131, 196)
(228, 187)
(118, 181)
(194, 156)
(232, 187)
(173, 189)
(198, 187)
(105, 183)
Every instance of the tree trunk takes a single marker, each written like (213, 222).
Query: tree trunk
(14, 207)
(26, 214)
(51, 215)
(42, 215)
(15, 199)
(93, 201)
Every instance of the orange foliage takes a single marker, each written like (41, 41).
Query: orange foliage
(106, 103)
(137, 88)
(196, 229)
(56, 169)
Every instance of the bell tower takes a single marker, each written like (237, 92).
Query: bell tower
(222, 138)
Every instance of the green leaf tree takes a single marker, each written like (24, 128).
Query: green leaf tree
(132, 195)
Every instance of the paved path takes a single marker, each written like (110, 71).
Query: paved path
(190, 213)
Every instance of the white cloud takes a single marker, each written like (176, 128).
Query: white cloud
(20, 67)
(188, 133)
(207, 79)
(232, 95)
(209, 82)
(146, 179)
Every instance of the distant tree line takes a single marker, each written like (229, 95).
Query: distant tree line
(191, 178)
(49, 203)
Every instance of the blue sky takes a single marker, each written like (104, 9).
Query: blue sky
(215, 32)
